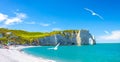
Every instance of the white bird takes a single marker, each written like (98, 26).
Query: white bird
(56, 47)
(106, 32)
(93, 13)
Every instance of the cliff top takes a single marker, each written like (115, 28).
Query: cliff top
(25, 35)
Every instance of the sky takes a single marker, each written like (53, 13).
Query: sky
(100, 17)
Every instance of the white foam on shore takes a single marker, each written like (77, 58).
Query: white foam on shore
(14, 55)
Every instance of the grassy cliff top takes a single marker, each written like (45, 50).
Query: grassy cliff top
(32, 35)
(25, 37)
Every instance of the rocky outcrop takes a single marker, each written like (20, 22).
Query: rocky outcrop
(75, 37)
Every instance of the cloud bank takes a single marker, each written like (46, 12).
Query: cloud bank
(3, 17)
(113, 36)
(44, 24)
(31, 22)
(7, 20)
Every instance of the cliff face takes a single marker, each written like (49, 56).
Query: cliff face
(78, 37)
(66, 37)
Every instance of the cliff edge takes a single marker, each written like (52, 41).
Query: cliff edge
(69, 37)
(66, 37)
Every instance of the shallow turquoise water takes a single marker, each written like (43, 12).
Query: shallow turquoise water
(88, 53)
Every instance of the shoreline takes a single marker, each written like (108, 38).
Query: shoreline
(13, 54)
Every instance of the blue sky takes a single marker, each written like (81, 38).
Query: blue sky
(100, 17)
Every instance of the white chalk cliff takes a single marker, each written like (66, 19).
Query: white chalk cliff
(75, 37)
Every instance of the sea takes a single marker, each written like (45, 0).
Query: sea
(107, 52)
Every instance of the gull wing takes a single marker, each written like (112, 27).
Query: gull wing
(50, 48)
(89, 10)
(57, 45)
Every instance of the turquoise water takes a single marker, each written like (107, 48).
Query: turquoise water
(88, 53)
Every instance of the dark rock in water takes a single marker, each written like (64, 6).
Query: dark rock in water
(76, 37)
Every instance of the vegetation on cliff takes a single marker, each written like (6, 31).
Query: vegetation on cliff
(24, 37)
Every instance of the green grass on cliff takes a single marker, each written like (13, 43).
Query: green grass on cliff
(23, 37)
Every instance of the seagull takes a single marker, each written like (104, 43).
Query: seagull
(93, 13)
(56, 47)
(106, 32)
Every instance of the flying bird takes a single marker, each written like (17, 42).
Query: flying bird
(93, 13)
(106, 32)
(56, 47)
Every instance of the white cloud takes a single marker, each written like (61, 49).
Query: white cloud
(56, 29)
(44, 24)
(93, 13)
(47, 24)
(7, 20)
(32, 22)
(17, 19)
(113, 36)
(3, 17)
